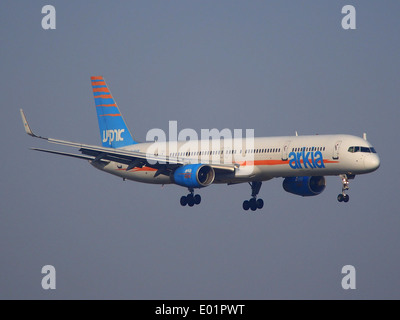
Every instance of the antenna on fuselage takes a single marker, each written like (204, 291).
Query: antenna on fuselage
(365, 136)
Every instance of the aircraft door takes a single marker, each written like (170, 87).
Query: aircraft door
(228, 153)
(285, 150)
(336, 149)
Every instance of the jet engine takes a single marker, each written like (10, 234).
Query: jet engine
(194, 175)
(304, 186)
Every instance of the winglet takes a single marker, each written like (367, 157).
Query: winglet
(26, 125)
(28, 129)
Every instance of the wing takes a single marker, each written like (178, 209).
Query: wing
(132, 159)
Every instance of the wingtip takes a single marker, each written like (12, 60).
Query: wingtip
(28, 130)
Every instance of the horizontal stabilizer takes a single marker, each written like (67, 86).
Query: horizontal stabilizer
(79, 156)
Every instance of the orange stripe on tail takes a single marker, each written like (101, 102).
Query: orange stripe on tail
(105, 90)
(104, 96)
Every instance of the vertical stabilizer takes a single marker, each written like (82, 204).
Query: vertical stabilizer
(113, 131)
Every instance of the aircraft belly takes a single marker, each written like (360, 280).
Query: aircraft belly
(285, 170)
(144, 174)
(146, 177)
(242, 174)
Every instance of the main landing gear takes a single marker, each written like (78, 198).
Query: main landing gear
(343, 197)
(190, 199)
(254, 203)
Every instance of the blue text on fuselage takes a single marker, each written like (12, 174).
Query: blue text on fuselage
(311, 159)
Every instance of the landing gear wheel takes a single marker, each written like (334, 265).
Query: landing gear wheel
(190, 200)
(343, 198)
(197, 199)
(183, 201)
(253, 204)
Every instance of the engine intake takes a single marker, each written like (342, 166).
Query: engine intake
(194, 175)
(304, 186)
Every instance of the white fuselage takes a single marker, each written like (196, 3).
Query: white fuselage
(269, 157)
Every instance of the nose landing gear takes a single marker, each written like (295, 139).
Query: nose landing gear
(254, 203)
(343, 197)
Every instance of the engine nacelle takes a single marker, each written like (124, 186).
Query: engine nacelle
(304, 186)
(194, 175)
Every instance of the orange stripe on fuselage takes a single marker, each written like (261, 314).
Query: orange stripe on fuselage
(139, 169)
(96, 78)
(330, 161)
(263, 162)
(243, 163)
(274, 162)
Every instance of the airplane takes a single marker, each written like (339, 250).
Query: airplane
(302, 161)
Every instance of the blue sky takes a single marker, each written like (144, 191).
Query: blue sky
(275, 67)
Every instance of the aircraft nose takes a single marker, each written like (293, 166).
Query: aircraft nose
(372, 162)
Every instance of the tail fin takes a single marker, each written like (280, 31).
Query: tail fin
(113, 131)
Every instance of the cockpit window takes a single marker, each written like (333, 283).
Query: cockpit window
(361, 149)
(353, 149)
